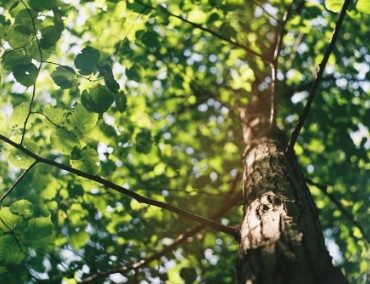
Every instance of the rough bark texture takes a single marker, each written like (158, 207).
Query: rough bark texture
(281, 238)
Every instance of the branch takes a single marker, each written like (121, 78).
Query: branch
(346, 213)
(38, 72)
(139, 198)
(207, 30)
(316, 82)
(265, 11)
(228, 204)
(280, 33)
(6, 52)
(21, 177)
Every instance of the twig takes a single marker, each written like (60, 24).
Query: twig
(280, 33)
(20, 178)
(207, 30)
(228, 204)
(139, 198)
(346, 213)
(265, 11)
(317, 80)
(16, 48)
(38, 72)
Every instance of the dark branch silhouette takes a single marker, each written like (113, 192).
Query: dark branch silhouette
(38, 72)
(317, 80)
(139, 198)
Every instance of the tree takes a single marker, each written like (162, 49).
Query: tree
(184, 141)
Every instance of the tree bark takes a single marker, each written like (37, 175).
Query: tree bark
(281, 240)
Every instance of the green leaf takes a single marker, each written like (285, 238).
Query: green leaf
(63, 140)
(18, 158)
(144, 141)
(79, 239)
(82, 120)
(19, 115)
(334, 5)
(56, 115)
(363, 6)
(14, 58)
(138, 8)
(189, 274)
(86, 160)
(111, 83)
(16, 38)
(87, 60)
(10, 252)
(98, 99)
(64, 77)
(121, 101)
(40, 5)
(40, 230)
(22, 207)
(8, 220)
(23, 23)
(49, 37)
(26, 73)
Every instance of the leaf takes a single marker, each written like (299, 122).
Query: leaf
(63, 141)
(121, 101)
(23, 23)
(10, 252)
(98, 99)
(56, 115)
(22, 207)
(49, 37)
(87, 60)
(79, 239)
(19, 115)
(25, 74)
(8, 220)
(86, 160)
(40, 5)
(363, 6)
(334, 5)
(144, 141)
(40, 230)
(13, 58)
(111, 83)
(82, 120)
(64, 77)
(18, 158)
(189, 274)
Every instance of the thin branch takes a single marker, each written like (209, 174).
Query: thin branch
(139, 198)
(20, 178)
(280, 33)
(265, 11)
(207, 30)
(38, 72)
(317, 80)
(16, 48)
(339, 205)
(229, 203)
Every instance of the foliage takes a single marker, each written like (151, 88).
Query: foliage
(128, 91)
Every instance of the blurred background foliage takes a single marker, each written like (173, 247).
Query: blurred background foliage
(149, 101)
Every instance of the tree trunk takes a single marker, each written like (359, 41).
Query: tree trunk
(281, 240)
